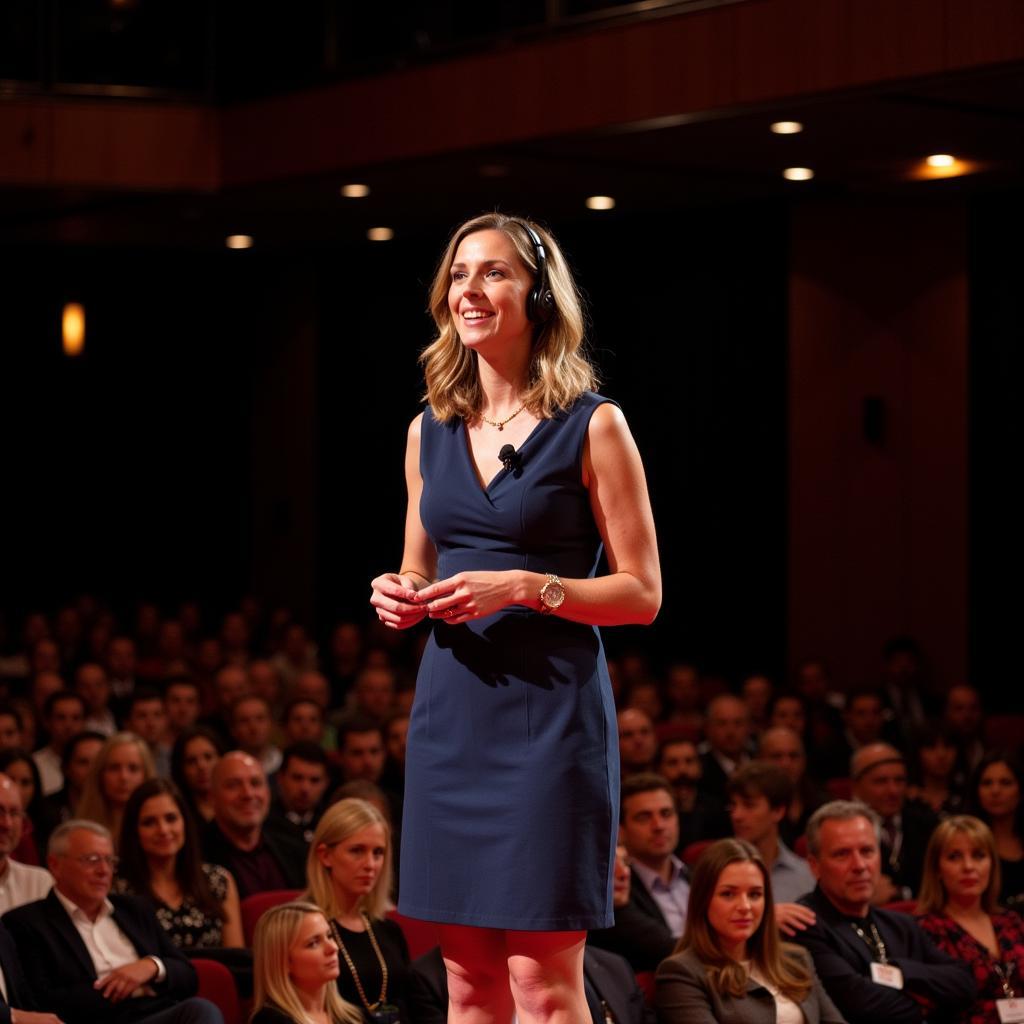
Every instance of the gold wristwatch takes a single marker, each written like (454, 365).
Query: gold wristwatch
(552, 594)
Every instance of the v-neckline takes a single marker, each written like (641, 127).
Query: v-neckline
(977, 942)
(475, 472)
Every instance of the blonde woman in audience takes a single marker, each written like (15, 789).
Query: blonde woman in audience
(960, 912)
(121, 766)
(295, 965)
(349, 878)
(730, 966)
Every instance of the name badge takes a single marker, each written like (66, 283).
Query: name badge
(886, 974)
(1011, 1011)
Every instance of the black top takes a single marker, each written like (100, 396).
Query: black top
(271, 1015)
(396, 955)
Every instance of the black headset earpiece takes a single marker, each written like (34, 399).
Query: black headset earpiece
(540, 303)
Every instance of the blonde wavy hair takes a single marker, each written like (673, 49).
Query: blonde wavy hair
(341, 820)
(777, 961)
(93, 803)
(272, 984)
(932, 898)
(559, 370)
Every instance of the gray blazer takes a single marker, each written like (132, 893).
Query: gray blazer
(683, 995)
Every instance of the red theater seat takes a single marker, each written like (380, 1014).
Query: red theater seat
(217, 985)
(254, 906)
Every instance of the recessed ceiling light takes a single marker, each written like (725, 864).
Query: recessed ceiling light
(941, 160)
(786, 127)
(73, 328)
(600, 203)
(798, 174)
(380, 234)
(238, 241)
(355, 191)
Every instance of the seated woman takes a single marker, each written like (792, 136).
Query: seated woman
(958, 901)
(121, 766)
(193, 757)
(349, 878)
(995, 797)
(195, 903)
(932, 769)
(17, 764)
(730, 965)
(295, 968)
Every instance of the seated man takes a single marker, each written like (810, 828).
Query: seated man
(649, 922)
(19, 883)
(301, 784)
(16, 1006)
(637, 741)
(700, 816)
(759, 794)
(93, 958)
(727, 736)
(877, 965)
(880, 780)
(236, 838)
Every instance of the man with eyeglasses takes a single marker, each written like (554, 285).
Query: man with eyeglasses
(94, 958)
(19, 883)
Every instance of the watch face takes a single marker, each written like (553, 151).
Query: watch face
(553, 595)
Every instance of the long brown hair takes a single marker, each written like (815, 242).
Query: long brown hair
(933, 897)
(767, 952)
(559, 370)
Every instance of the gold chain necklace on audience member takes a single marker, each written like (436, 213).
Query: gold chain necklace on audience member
(336, 929)
(500, 424)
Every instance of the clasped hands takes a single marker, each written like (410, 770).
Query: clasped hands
(460, 598)
(126, 981)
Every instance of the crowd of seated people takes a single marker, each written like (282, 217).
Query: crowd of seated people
(787, 852)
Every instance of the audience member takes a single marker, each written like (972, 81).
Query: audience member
(877, 965)
(964, 717)
(120, 671)
(863, 722)
(396, 732)
(19, 767)
(182, 706)
(933, 768)
(18, 1004)
(637, 743)
(196, 903)
(235, 838)
(373, 695)
(759, 794)
(960, 911)
(301, 786)
(93, 686)
(903, 685)
(63, 715)
(783, 747)
(229, 685)
(302, 721)
(43, 684)
(700, 816)
(880, 780)
(10, 727)
(79, 753)
(645, 696)
(349, 874)
(265, 682)
(731, 950)
(296, 968)
(147, 718)
(361, 750)
(251, 728)
(121, 766)
(344, 654)
(297, 655)
(19, 883)
(193, 757)
(685, 709)
(757, 691)
(727, 736)
(122, 968)
(995, 797)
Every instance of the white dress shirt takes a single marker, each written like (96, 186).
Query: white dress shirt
(21, 884)
(48, 762)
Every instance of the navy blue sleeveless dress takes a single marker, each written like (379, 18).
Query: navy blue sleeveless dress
(512, 777)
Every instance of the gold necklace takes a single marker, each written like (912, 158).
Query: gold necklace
(500, 424)
(383, 998)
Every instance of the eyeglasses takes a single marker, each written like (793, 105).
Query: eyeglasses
(94, 860)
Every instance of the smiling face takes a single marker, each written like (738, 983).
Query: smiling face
(161, 826)
(355, 863)
(487, 294)
(737, 906)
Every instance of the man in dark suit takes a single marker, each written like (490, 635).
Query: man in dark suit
(727, 732)
(93, 958)
(259, 859)
(16, 1000)
(650, 896)
(609, 984)
(880, 780)
(302, 782)
(875, 964)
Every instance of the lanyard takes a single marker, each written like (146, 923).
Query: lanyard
(875, 943)
(1004, 972)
